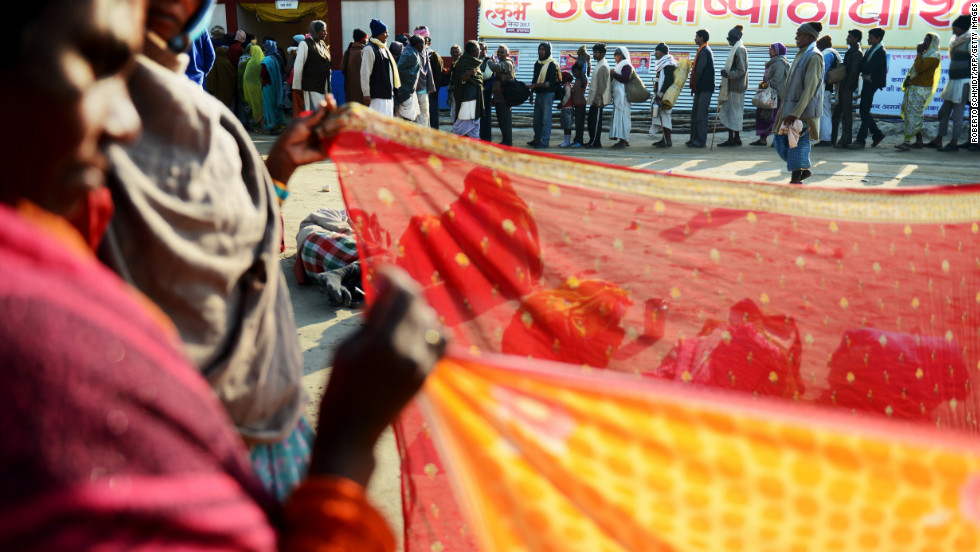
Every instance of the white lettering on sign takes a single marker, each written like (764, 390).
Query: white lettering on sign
(287, 4)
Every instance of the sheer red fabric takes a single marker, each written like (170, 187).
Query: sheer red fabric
(861, 300)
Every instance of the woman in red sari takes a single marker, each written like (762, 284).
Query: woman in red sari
(110, 439)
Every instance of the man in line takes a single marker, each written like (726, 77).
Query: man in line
(427, 83)
(874, 73)
(702, 87)
(844, 110)
(831, 59)
(438, 79)
(735, 81)
(379, 74)
(664, 66)
(351, 67)
(485, 121)
(409, 65)
(504, 72)
(956, 93)
(311, 71)
(545, 80)
(455, 52)
(802, 104)
(600, 95)
(467, 90)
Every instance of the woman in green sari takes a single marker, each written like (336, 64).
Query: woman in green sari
(252, 82)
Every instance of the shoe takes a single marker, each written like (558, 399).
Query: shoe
(795, 177)
(564, 145)
(859, 145)
(904, 146)
(804, 174)
(933, 145)
(693, 145)
(661, 144)
(917, 145)
(823, 144)
(577, 145)
(532, 143)
(759, 142)
(730, 143)
(689, 142)
(842, 145)
(620, 145)
(877, 140)
(949, 147)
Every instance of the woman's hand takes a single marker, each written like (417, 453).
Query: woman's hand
(299, 145)
(376, 372)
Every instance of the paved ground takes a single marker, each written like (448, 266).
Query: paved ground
(322, 327)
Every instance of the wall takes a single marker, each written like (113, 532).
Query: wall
(357, 14)
(217, 17)
(281, 32)
(444, 20)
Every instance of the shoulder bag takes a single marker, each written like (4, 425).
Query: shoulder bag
(636, 92)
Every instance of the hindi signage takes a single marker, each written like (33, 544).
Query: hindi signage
(674, 21)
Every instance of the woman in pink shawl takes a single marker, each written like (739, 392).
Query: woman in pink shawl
(111, 440)
(775, 77)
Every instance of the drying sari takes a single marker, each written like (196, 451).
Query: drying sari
(252, 82)
(272, 94)
(688, 363)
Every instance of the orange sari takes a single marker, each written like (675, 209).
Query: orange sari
(837, 329)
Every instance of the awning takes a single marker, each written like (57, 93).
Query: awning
(267, 11)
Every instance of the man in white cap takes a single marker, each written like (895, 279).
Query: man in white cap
(802, 104)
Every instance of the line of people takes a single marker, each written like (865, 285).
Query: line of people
(856, 76)
(401, 79)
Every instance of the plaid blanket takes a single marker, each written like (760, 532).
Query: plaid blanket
(323, 251)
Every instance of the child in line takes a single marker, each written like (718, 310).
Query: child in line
(567, 109)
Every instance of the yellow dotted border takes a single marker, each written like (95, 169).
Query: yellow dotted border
(848, 205)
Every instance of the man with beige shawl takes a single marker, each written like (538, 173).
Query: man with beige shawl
(734, 82)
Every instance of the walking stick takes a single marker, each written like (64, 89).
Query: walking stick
(717, 112)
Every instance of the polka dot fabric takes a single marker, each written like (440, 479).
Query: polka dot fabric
(863, 302)
(550, 461)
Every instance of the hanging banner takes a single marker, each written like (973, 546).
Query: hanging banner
(674, 21)
(889, 99)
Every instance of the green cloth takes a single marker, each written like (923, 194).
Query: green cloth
(252, 82)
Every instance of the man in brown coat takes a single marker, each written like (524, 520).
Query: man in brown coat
(440, 77)
(351, 67)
